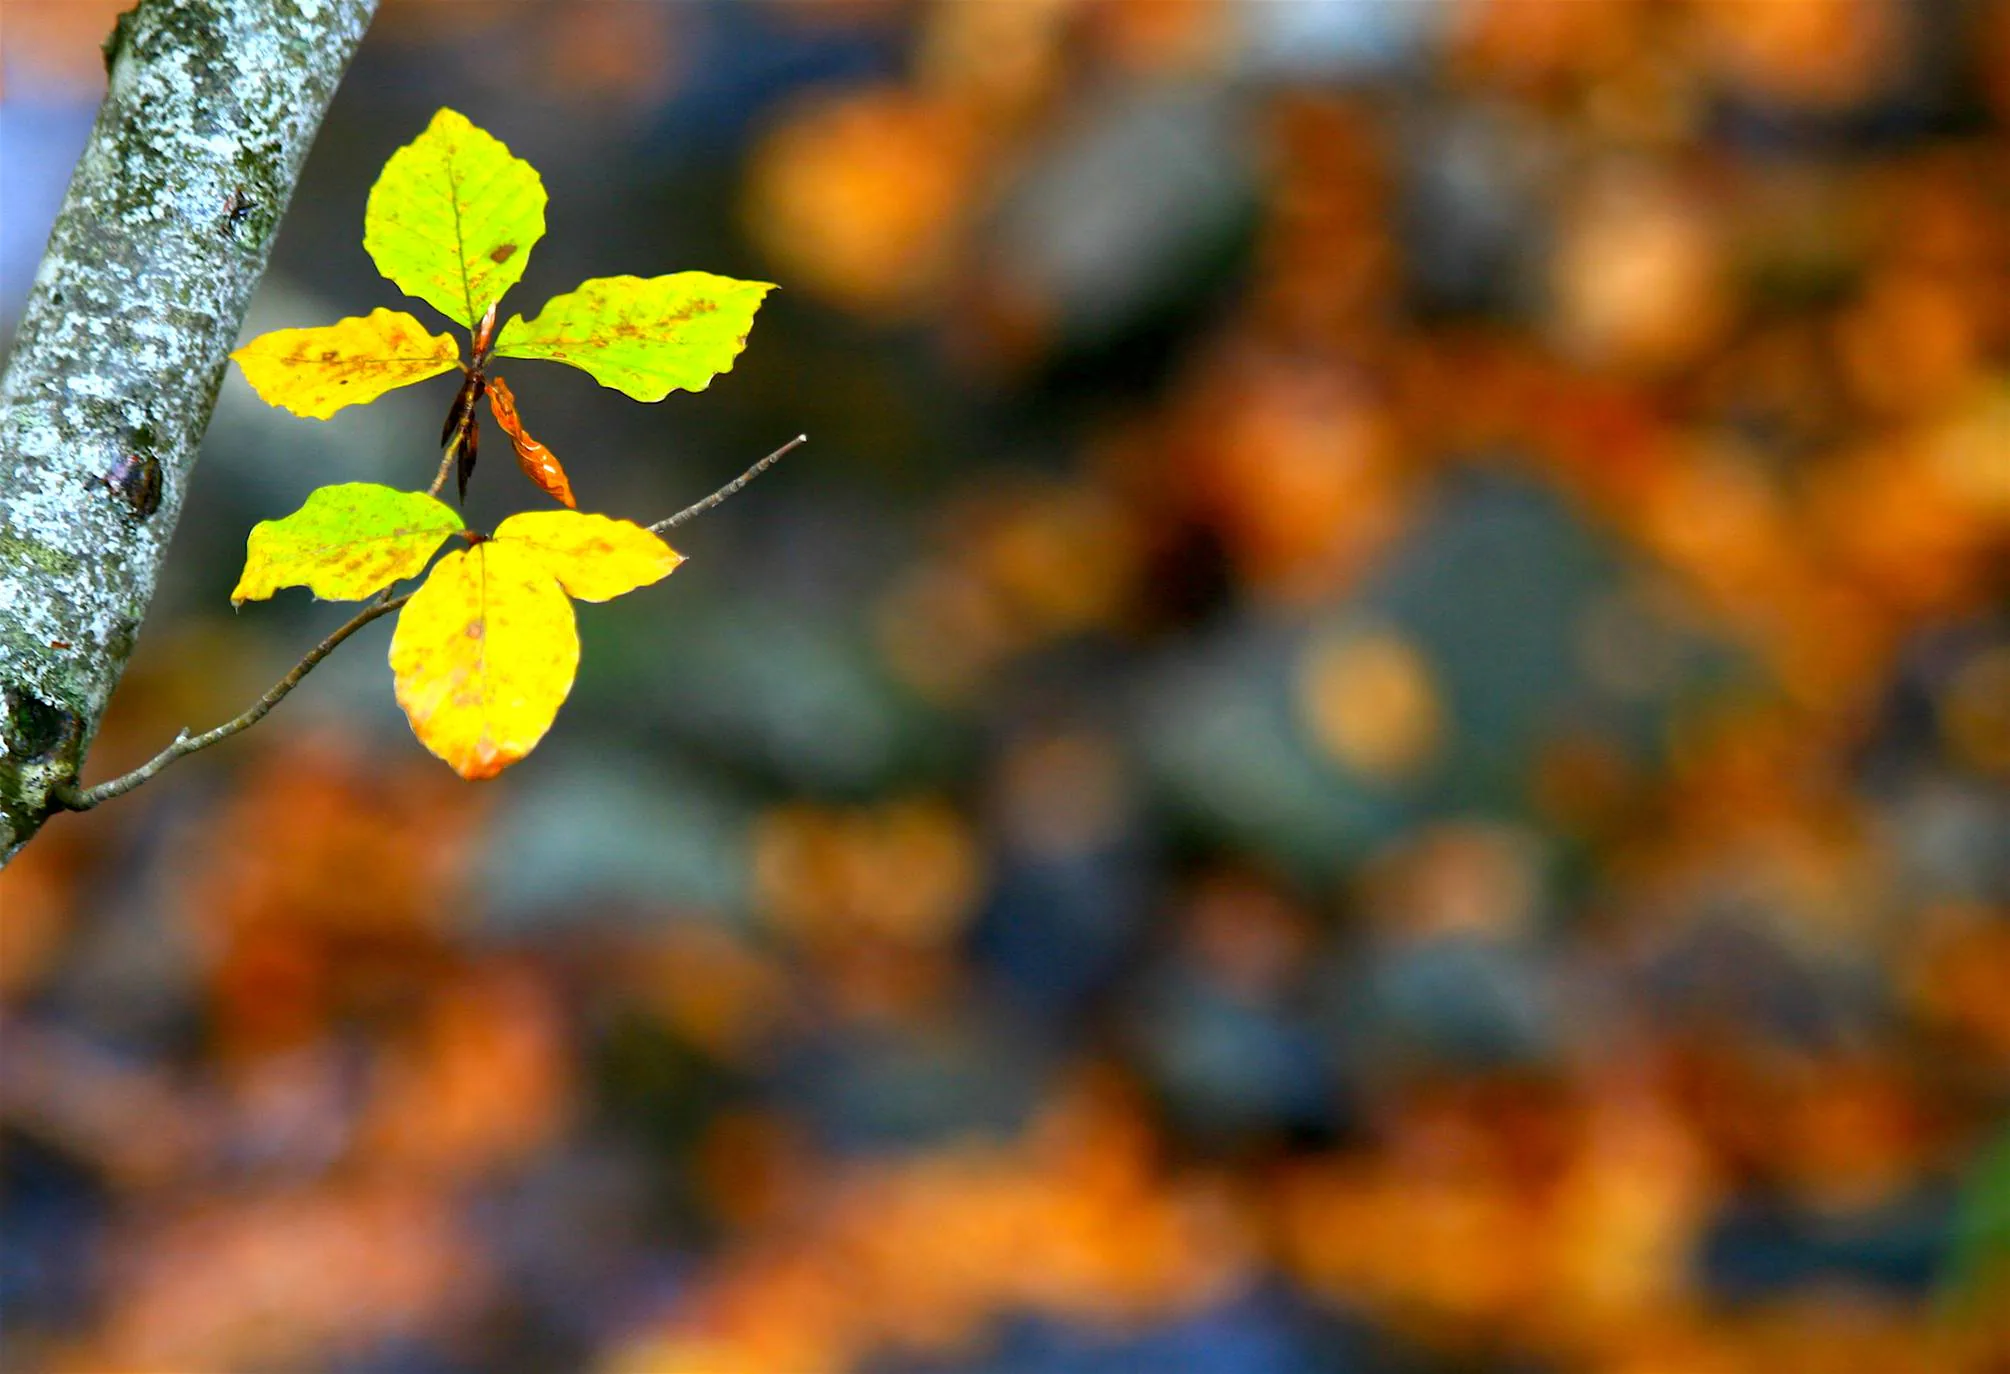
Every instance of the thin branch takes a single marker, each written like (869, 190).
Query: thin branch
(73, 798)
(83, 799)
(447, 456)
(731, 488)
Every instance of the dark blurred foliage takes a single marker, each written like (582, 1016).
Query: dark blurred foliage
(1374, 737)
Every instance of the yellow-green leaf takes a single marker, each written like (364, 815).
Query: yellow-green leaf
(483, 657)
(345, 542)
(315, 372)
(593, 558)
(646, 337)
(453, 217)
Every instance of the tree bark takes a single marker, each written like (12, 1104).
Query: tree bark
(169, 221)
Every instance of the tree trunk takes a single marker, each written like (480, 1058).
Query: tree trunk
(166, 229)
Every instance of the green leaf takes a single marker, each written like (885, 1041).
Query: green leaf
(453, 217)
(645, 337)
(345, 542)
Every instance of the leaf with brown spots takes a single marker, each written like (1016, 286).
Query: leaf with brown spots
(538, 462)
(643, 337)
(453, 216)
(485, 651)
(594, 558)
(345, 542)
(316, 372)
(484, 655)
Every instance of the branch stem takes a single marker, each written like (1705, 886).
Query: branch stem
(447, 456)
(83, 799)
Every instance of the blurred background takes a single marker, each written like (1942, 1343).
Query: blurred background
(1373, 737)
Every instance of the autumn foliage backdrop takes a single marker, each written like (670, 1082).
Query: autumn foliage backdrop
(1373, 738)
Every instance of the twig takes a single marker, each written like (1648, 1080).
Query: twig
(83, 799)
(719, 497)
(447, 456)
(73, 798)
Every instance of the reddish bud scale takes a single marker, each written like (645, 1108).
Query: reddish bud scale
(538, 462)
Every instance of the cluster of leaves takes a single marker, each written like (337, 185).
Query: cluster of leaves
(485, 651)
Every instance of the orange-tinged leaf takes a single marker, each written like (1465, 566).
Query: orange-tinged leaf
(643, 337)
(538, 462)
(484, 655)
(315, 372)
(593, 557)
(345, 542)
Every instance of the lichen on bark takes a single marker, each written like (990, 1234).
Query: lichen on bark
(166, 229)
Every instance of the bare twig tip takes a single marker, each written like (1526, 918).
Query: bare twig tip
(718, 497)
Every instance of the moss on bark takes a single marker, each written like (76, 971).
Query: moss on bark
(139, 298)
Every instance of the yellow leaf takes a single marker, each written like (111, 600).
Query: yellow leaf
(483, 657)
(645, 337)
(315, 372)
(593, 558)
(453, 217)
(345, 542)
